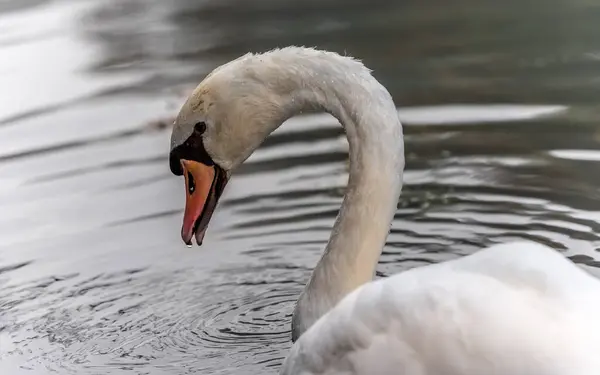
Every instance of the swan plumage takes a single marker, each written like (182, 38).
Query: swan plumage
(511, 309)
(518, 308)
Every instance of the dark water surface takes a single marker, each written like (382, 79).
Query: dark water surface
(499, 101)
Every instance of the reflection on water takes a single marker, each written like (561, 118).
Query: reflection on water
(499, 105)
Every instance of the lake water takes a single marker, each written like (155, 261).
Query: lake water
(500, 107)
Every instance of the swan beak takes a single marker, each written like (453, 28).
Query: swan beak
(204, 185)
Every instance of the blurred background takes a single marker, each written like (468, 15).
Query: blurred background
(500, 106)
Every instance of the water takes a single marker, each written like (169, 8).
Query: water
(499, 104)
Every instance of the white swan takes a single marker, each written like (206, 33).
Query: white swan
(511, 309)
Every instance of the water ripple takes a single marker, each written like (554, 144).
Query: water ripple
(131, 314)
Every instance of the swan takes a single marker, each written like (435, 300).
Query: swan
(516, 308)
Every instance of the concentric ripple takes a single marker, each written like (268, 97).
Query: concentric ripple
(179, 321)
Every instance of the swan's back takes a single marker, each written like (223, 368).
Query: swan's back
(511, 309)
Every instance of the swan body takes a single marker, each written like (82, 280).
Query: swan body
(511, 309)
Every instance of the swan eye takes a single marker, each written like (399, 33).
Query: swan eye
(191, 183)
(200, 127)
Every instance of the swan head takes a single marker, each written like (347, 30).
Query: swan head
(222, 122)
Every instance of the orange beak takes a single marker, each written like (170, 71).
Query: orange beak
(204, 185)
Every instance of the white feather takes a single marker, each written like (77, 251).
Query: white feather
(511, 309)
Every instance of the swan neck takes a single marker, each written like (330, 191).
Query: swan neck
(376, 152)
